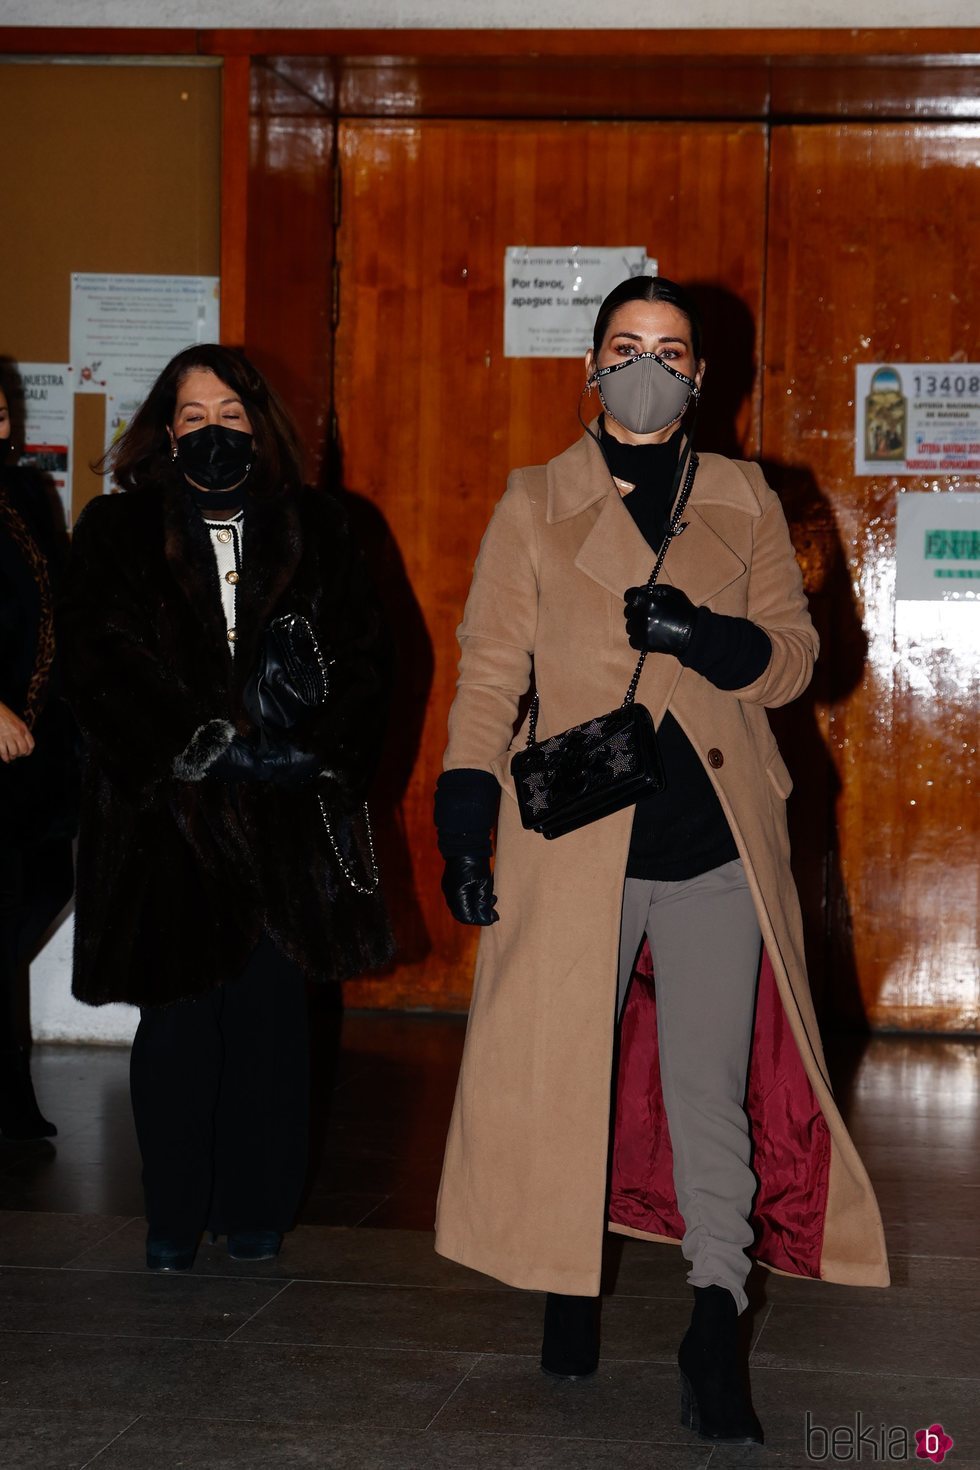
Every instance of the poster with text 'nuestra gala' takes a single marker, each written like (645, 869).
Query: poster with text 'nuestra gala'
(45, 391)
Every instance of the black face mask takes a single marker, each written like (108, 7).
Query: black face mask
(215, 457)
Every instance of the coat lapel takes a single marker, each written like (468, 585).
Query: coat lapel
(699, 561)
(615, 553)
(187, 550)
(272, 548)
(272, 545)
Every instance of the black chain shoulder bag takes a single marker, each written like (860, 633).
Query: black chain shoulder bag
(291, 678)
(605, 764)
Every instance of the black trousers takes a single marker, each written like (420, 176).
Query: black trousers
(35, 884)
(221, 1098)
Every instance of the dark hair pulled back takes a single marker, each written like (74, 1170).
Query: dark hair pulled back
(144, 452)
(648, 288)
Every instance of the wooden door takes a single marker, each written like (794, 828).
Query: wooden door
(432, 415)
(872, 247)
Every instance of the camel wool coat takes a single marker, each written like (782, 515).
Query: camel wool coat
(528, 1185)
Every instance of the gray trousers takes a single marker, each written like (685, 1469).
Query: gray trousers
(706, 948)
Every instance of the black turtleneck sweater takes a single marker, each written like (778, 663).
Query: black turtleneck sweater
(682, 831)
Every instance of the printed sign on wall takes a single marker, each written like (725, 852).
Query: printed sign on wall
(917, 418)
(937, 546)
(46, 388)
(125, 328)
(552, 294)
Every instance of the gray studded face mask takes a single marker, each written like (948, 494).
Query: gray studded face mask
(644, 393)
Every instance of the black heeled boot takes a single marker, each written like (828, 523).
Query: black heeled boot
(20, 1117)
(168, 1252)
(570, 1348)
(714, 1388)
(254, 1245)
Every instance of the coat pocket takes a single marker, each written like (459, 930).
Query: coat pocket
(778, 774)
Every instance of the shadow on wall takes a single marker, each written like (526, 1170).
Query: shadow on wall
(730, 348)
(414, 663)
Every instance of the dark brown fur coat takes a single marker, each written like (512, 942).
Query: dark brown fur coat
(177, 878)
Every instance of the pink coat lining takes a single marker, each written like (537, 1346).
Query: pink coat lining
(790, 1136)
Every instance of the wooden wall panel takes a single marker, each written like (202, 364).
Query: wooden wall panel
(289, 266)
(235, 94)
(432, 416)
(872, 235)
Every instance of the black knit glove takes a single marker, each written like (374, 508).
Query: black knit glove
(659, 619)
(465, 812)
(278, 763)
(467, 885)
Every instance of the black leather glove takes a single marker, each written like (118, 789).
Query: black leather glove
(285, 765)
(467, 884)
(659, 619)
(278, 763)
(239, 761)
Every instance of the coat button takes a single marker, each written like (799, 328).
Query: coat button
(232, 577)
(232, 635)
(715, 758)
(224, 537)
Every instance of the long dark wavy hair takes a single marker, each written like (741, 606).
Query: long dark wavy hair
(143, 453)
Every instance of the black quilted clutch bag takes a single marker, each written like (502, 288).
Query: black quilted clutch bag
(589, 771)
(290, 677)
(603, 765)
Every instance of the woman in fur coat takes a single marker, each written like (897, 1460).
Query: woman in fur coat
(224, 858)
(725, 1134)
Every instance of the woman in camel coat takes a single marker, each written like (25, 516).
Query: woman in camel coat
(530, 1181)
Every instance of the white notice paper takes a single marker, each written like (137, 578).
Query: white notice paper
(48, 422)
(125, 329)
(916, 418)
(552, 294)
(119, 410)
(937, 546)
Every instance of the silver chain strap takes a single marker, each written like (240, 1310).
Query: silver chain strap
(674, 529)
(322, 663)
(342, 861)
(290, 621)
(293, 620)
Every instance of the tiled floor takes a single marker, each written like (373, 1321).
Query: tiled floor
(360, 1349)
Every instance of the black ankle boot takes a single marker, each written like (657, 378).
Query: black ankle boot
(169, 1252)
(570, 1348)
(254, 1245)
(20, 1116)
(714, 1386)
